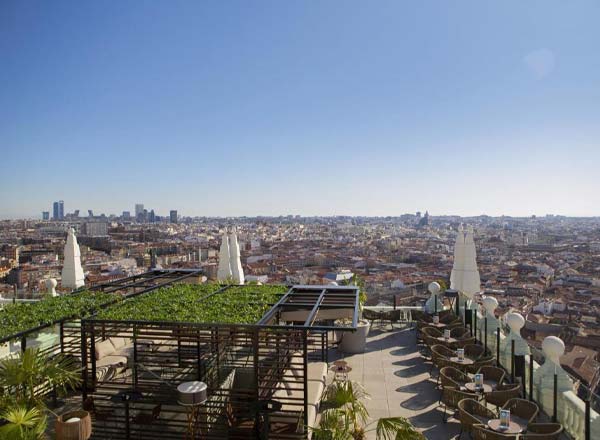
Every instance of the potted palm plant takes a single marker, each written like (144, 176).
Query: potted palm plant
(344, 416)
(22, 408)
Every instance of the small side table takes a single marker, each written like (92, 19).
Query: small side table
(192, 395)
(512, 428)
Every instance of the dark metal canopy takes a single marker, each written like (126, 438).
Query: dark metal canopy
(316, 307)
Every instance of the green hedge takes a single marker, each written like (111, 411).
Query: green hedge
(188, 303)
(16, 318)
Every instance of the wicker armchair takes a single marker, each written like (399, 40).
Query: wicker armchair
(462, 342)
(459, 332)
(440, 357)
(479, 363)
(523, 411)
(474, 351)
(453, 377)
(447, 312)
(481, 432)
(493, 376)
(545, 431)
(449, 318)
(429, 335)
(471, 412)
(451, 397)
(502, 394)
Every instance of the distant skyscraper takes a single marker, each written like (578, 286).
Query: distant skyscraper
(76, 213)
(139, 209)
(126, 215)
(90, 213)
(58, 210)
(45, 215)
(152, 216)
(173, 216)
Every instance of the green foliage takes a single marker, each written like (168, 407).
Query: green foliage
(23, 373)
(189, 303)
(21, 409)
(22, 423)
(344, 416)
(15, 318)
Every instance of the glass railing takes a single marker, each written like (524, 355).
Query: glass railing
(561, 396)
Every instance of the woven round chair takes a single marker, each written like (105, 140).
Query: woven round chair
(440, 357)
(449, 318)
(459, 332)
(474, 351)
(471, 412)
(451, 396)
(484, 361)
(545, 431)
(481, 432)
(493, 376)
(453, 377)
(502, 394)
(429, 335)
(523, 411)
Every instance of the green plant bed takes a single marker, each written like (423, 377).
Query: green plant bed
(19, 317)
(195, 304)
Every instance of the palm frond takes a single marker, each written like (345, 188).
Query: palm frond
(23, 423)
(396, 428)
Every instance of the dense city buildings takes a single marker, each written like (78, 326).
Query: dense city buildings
(547, 268)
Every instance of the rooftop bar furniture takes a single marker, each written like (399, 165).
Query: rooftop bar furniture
(482, 432)
(543, 431)
(522, 410)
(471, 412)
(74, 425)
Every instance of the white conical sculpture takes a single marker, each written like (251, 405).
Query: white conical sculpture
(457, 266)
(224, 269)
(72, 274)
(235, 258)
(471, 283)
(465, 275)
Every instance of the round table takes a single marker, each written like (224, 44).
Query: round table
(465, 361)
(512, 428)
(447, 341)
(191, 395)
(485, 388)
(438, 325)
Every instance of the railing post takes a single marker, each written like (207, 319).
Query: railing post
(23, 344)
(498, 345)
(485, 327)
(555, 401)
(588, 416)
(531, 377)
(394, 302)
(512, 360)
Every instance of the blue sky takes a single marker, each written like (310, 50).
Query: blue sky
(312, 108)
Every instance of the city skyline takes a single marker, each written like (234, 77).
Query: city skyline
(309, 109)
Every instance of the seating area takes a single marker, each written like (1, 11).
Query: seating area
(475, 390)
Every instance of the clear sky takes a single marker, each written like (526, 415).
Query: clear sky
(301, 107)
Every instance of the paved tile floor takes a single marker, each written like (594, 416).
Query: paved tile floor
(396, 376)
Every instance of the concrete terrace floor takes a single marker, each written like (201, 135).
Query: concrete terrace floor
(396, 375)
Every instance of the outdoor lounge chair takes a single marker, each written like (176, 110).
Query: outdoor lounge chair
(459, 332)
(440, 357)
(502, 394)
(453, 377)
(543, 431)
(471, 412)
(481, 432)
(492, 376)
(451, 396)
(522, 411)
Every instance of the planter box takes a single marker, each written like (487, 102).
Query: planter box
(354, 342)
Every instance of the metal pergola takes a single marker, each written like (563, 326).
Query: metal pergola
(319, 303)
(147, 281)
